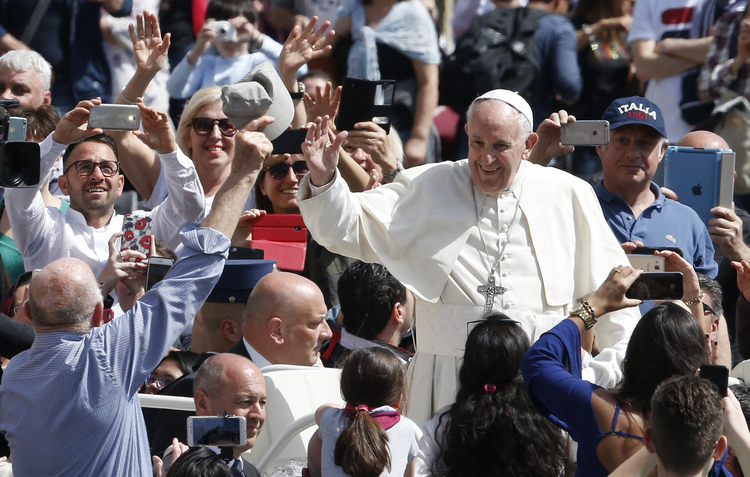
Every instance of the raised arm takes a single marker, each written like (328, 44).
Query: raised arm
(138, 161)
(415, 149)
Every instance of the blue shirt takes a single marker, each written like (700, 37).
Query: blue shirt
(664, 223)
(70, 404)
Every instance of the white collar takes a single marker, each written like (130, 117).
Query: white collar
(255, 357)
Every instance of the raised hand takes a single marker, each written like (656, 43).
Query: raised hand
(157, 131)
(244, 231)
(149, 48)
(321, 103)
(374, 141)
(252, 147)
(726, 232)
(743, 277)
(302, 46)
(73, 127)
(550, 138)
(202, 42)
(322, 154)
(611, 294)
(119, 267)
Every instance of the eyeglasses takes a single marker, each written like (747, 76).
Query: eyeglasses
(204, 126)
(708, 309)
(159, 383)
(86, 168)
(279, 171)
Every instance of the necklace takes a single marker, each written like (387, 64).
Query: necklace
(489, 289)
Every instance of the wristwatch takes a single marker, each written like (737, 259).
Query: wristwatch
(585, 313)
(301, 93)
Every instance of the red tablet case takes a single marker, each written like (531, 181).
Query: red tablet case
(282, 237)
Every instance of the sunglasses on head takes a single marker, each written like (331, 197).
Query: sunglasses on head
(279, 171)
(204, 126)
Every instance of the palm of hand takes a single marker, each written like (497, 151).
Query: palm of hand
(147, 54)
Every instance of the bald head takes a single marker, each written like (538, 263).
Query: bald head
(225, 370)
(285, 319)
(64, 293)
(703, 139)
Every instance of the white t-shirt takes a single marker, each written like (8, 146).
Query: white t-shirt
(656, 20)
(402, 443)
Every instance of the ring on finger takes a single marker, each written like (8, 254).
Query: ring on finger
(618, 270)
(119, 256)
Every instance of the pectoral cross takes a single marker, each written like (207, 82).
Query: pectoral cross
(489, 290)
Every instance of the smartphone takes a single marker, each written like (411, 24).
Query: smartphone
(656, 286)
(364, 100)
(648, 263)
(651, 250)
(125, 117)
(289, 142)
(136, 233)
(245, 253)
(586, 133)
(216, 431)
(719, 375)
(17, 129)
(156, 270)
(225, 31)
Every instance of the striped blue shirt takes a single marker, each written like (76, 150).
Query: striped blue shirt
(69, 405)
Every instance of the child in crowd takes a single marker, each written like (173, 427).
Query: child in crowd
(215, 61)
(369, 437)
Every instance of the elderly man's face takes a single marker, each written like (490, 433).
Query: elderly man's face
(25, 86)
(496, 146)
(631, 158)
(242, 394)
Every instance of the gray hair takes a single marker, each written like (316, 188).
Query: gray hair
(24, 60)
(73, 304)
(524, 126)
(711, 286)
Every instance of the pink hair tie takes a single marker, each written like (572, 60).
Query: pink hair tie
(363, 407)
(489, 388)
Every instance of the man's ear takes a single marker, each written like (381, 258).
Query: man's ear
(62, 183)
(231, 331)
(97, 318)
(721, 448)
(120, 185)
(201, 403)
(276, 330)
(664, 146)
(648, 440)
(397, 313)
(530, 142)
(47, 97)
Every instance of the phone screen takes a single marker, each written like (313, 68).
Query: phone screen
(216, 431)
(656, 286)
(719, 375)
(156, 271)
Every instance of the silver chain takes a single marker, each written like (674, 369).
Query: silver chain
(501, 244)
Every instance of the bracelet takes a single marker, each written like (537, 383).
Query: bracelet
(586, 313)
(694, 301)
(122, 94)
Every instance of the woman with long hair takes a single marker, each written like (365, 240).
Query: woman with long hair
(608, 424)
(493, 429)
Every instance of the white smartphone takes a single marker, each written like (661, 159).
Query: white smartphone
(124, 117)
(586, 133)
(216, 431)
(157, 269)
(647, 263)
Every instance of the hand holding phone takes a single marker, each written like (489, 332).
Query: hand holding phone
(156, 270)
(586, 133)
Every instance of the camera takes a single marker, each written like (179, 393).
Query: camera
(19, 159)
(225, 30)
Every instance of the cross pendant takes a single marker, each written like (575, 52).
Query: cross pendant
(489, 290)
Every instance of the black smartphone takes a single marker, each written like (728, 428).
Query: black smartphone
(651, 250)
(156, 270)
(364, 100)
(245, 253)
(289, 142)
(717, 374)
(656, 286)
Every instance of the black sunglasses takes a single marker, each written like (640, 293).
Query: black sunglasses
(279, 171)
(204, 126)
(86, 168)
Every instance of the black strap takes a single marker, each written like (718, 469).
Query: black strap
(36, 18)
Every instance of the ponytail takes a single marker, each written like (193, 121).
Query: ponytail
(362, 448)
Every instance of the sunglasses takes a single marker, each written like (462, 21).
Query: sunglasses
(160, 383)
(86, 168)
(281, 170)
(204, 126)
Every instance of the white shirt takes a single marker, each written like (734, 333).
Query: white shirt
(255, 357)
(44, 234)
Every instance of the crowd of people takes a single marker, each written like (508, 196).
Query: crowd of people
(477, 306)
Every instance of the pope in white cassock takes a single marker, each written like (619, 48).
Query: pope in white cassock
(491, 232)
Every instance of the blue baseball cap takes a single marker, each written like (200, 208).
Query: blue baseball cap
(238, 279)
(635, 110)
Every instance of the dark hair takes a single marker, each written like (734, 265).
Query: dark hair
(199, 462)
(185, 360)
(742, 393)
(9, 297)
(667, 341)
(367, 294)
(372, 377)
(227, 9)
(687, 418)
(496, 431)
(603, 8)
(41, 121)
(711, 286)
(163, 250)
(262, 201)
(101, 138)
